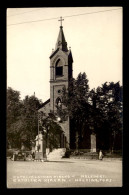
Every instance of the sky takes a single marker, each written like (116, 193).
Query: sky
(93, 33)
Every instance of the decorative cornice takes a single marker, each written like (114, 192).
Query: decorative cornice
(56, 81)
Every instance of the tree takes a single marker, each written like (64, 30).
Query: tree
(13, 105)
(75, 99)
(29, 120)
(114, 110)
(22, 119)
(107, 101)
(97, 111)
(13, 113)
(51, 129)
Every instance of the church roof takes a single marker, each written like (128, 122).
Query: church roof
(54, 53)
(61, 42)
(46, 102)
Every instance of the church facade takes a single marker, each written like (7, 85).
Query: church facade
(60, 74)
(61, 70)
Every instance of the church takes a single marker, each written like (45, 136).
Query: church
(61, 69)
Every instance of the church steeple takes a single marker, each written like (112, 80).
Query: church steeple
(61, 42)
(60, 74)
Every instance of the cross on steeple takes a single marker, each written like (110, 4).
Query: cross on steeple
(61, 20)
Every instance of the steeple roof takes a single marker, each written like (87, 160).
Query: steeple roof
(61, 42)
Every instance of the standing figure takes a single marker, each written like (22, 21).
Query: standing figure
(100, 155)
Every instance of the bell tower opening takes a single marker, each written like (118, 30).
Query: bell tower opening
(59, 68)
(58, 102)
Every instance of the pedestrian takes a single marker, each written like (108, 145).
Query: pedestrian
(100, 155)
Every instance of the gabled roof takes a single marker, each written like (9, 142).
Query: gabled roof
(54, 53)
(46, 102)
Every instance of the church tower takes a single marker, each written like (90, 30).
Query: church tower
(60, 73)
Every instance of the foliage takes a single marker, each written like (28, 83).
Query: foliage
(22, 117)
(76, 95)
(13, 106)
(108, 100)
(13, 113)
(50, 127)
(98, 110)
(75, 99)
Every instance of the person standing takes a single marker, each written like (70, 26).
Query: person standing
(100, 155)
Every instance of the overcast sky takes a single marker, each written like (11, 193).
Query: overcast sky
(95, 40)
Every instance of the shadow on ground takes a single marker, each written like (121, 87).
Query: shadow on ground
(56, 161)
(59, 161)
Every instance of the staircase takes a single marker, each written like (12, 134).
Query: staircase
(56, 154)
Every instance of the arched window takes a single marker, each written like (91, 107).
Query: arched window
(58, 102)
(59, 68)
